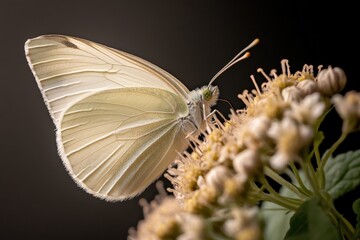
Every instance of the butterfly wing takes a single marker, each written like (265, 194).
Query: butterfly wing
(116, 142)
(117, 116)
(67, 69)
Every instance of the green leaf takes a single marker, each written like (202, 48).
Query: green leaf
(356, 208)
(342, 173)
(311, 222)
(276, 218)
(276, 221)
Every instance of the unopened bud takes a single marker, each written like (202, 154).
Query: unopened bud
(307, 86)
(247, 162)
(292, 94)
(217, 176)
(331, 80)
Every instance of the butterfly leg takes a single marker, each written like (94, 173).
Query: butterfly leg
(213, 114)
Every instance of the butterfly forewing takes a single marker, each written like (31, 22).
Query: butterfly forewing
(67, 69)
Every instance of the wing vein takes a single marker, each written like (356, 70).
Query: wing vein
(88, 144)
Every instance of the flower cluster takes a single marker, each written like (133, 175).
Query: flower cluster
(217, 187)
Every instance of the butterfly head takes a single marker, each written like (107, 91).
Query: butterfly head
(210, 94)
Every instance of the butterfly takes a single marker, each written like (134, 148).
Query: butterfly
(120, 120)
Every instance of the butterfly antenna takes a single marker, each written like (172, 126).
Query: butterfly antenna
(240, 56)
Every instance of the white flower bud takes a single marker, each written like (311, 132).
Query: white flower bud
(193, 227)
(289, 137)
(258, 126)
(247, 162)
(306, 134)
(348, 107)
(217, 176)
(233, 225)
(331, 80)
(274, 130)
(291, 94)
(240, 179)
(254, 132)
(308, 110)
(307, 86)
(279, 161)
(240, 220)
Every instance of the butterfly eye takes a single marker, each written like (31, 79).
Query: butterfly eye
(207, 94)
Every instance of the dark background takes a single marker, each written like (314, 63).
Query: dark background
(190, 39)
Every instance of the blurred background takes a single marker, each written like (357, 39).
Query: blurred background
(190, 39)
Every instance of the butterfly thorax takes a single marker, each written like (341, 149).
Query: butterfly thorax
(199, 104)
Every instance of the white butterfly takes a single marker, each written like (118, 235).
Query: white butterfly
(120, 120)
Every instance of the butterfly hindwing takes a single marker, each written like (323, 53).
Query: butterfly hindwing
(116, 142)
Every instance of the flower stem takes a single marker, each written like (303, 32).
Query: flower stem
(327, 156)
(277, 178)
(257, 195)
(311, 175)
(299, 180)
(317, 156)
